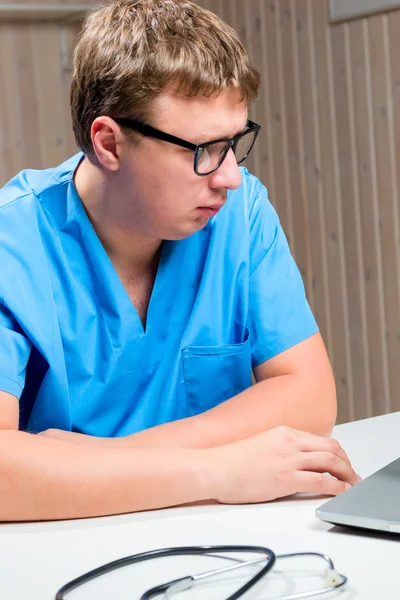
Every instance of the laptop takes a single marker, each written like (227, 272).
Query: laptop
(374, 503)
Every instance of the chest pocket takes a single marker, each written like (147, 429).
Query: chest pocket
(214, 374)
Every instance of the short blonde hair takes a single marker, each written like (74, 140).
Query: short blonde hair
(130, 50)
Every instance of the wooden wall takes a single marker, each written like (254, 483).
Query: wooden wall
(329, 152)
(35, 129)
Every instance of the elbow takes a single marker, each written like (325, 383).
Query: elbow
(327, 408)
(6, 480)
(318, 412)
(327, 424)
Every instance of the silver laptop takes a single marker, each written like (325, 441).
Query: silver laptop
(374, 503)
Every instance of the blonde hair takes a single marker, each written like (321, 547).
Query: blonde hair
(130, 50)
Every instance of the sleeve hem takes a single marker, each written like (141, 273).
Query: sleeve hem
(295, 336)
(10, 386)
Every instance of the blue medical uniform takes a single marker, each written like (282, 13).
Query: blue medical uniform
(74, 350)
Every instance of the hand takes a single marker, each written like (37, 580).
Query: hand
(279, 462)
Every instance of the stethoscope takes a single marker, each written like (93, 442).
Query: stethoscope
(334, 579)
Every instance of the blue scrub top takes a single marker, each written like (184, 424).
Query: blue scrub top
(72, 346)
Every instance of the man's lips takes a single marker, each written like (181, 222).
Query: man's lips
(211, 210)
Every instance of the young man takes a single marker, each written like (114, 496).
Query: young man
(140, 283)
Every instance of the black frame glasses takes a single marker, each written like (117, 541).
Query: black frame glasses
(223, 145)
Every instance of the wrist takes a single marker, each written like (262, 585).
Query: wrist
(213, 473)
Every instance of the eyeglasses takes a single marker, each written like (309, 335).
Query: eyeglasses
(209, 155)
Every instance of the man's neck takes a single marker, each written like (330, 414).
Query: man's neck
(130, 252)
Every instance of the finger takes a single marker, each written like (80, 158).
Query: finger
(326, 462)
(318, 483)
(311, 443)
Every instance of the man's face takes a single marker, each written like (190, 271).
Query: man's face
(160, 196)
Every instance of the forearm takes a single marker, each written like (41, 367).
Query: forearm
(291, 400)
(44, 479)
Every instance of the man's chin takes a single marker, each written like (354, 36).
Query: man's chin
(197, 225)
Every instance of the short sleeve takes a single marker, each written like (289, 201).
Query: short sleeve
(279, 314)
(14, 354)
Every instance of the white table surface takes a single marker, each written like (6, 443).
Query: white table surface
(36, 559)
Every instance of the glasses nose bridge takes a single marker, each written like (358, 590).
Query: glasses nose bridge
(230, 145)
(222, 162)
(233, 142)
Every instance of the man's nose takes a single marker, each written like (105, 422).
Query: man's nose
(228, 175)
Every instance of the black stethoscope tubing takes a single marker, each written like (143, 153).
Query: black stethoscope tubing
(178, 551)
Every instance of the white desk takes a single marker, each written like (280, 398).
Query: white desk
(37, 558)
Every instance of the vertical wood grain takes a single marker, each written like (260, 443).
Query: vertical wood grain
(387, 251)
(311, 167)
(393, 37)
(340, 353)
(350, 222)
(300, 245)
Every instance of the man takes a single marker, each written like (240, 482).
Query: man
(143, 279)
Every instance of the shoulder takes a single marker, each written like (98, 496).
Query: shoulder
(28, 186)
(250, 210)
(248, 192)
(251, 198)
(27, 208)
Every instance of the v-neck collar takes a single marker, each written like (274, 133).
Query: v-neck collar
(116, 304)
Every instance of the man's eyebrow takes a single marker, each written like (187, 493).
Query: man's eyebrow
(207, 137)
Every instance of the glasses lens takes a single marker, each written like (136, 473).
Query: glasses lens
(244, 145)
(211, 156)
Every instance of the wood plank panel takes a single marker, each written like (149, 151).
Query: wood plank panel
(29, 99)
(387, 210)
(300, 245)
(281, 193)
(394, 95)
(66, 75)
(366, 200)
(312, 169)
(50, 106)
(264, 148)
(12, 140)
(350, 220)
(340, 354)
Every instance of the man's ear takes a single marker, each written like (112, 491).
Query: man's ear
(106, 139)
